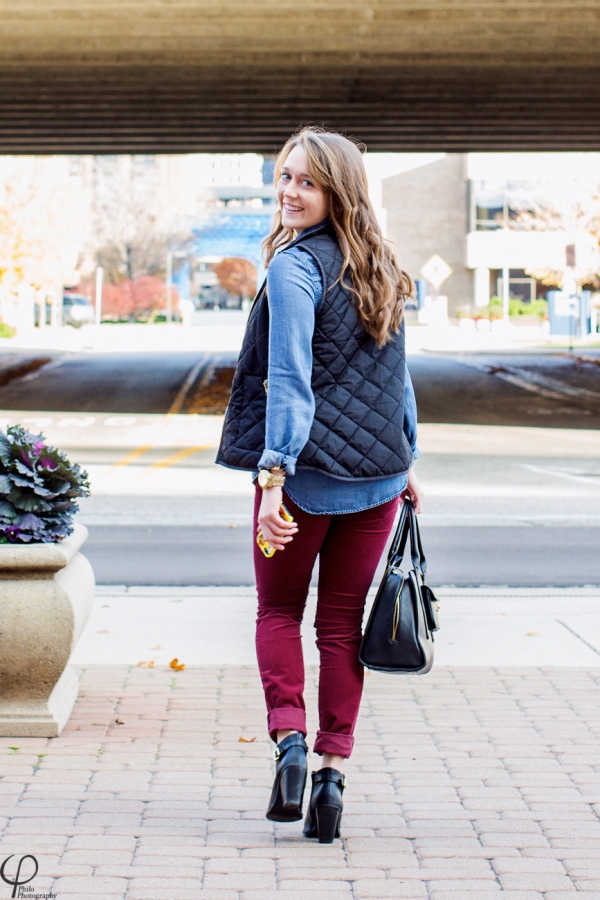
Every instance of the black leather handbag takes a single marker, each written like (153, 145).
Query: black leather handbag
(399, 633)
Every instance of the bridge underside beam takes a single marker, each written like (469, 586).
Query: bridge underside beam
(171, 109)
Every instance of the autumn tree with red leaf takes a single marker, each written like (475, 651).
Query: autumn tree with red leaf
(236, 275)
(132, 300)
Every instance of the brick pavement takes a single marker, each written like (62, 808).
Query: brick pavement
(469, 782)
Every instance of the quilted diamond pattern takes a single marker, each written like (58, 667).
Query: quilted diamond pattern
(357, 430)
(243, 437)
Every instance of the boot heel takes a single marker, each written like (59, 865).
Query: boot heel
(328, 818)
(285, 804)
(291, 787)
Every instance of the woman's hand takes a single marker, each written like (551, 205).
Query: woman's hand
(413, 492)
(276, 530)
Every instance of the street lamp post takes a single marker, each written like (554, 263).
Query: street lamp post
(169, 287)
(570, 290)
(98, 295)
(171, 254)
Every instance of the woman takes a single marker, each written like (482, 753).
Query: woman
(322, 410)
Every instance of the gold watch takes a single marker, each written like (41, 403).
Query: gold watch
(268, 478)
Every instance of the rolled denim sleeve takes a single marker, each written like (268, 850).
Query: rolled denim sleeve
(410, 415)
(293, 293)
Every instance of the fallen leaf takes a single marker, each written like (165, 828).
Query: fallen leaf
(532, 633)
(232, 525)
(244, 740)
(103, 631)
(176, 665)
(155, 647)
(147, 664)
(119, 721)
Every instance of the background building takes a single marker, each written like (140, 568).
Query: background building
(496, 217)
(427, 214)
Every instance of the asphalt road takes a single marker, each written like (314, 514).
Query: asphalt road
(112, 382)
(537, 390)
(216, 555)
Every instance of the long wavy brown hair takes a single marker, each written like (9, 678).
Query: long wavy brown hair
(370, 270)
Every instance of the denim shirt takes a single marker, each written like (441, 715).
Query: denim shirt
(294, 290)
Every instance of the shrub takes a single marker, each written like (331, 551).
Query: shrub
(38, 489)
(537, 308)
(464, 312)
(495, 308)
(5, 330)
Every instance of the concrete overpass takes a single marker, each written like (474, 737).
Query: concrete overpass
(148, 76)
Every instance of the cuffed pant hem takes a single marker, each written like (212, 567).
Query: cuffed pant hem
(328, 742)
(286, 717)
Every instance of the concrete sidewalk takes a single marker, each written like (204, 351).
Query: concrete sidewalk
(478, 779)
(489, 626)
(223, 330)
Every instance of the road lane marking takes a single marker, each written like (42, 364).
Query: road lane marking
(176, 457)
(179, 401)
(119, 421)
(131, 457)
(592, 479)
(542, 385)
(71, 421)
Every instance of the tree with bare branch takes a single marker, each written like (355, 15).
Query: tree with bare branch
(42, 226)
(133, 227)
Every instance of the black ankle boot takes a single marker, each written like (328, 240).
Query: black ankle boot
(324, 814)
(290, 780)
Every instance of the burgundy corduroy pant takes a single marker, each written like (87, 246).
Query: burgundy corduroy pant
(349, 547)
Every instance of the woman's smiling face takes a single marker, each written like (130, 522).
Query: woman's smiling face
(302, 202)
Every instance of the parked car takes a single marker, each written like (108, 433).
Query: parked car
(77, 310)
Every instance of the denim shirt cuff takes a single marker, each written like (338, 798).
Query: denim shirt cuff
(271, 458)
(416, 453)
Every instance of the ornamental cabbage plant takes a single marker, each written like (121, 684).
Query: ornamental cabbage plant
(38, 489)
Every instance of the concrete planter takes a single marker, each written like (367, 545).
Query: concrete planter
(46, 596)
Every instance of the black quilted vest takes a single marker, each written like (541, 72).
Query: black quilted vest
(357, 431)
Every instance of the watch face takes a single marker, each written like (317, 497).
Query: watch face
(263, 477)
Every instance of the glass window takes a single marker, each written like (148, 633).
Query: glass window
(499, 204)
(489, 205)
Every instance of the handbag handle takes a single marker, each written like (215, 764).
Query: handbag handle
(416, 545)
(408, 528)
(399, 541)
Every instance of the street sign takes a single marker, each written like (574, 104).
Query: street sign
(436, 270)
(565, 304)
